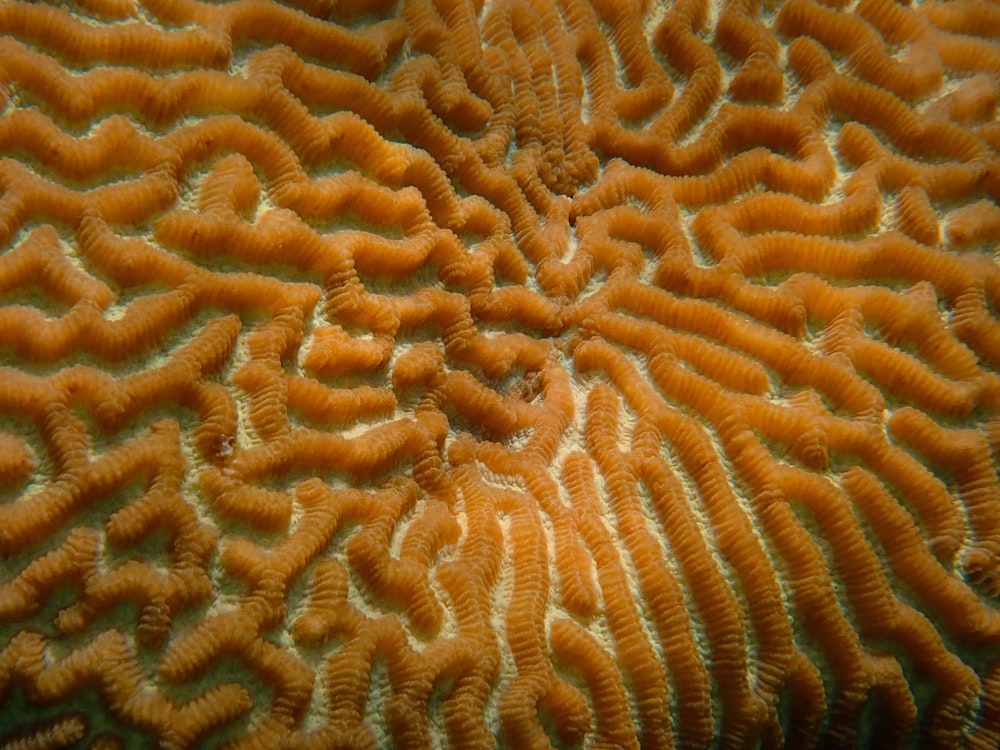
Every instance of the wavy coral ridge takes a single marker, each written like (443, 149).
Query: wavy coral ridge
(520, 374)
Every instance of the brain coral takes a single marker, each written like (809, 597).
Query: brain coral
(519, 373)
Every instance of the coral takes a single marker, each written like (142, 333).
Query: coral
(585, 373)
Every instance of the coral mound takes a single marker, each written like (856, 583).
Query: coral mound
(512, 374)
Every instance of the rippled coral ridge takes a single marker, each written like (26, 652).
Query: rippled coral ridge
(534, 374)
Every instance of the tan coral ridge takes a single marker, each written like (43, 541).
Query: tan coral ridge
(527, 375)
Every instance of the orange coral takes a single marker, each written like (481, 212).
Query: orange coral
(512, 374)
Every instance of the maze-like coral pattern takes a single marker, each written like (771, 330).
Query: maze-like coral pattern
(516, 373)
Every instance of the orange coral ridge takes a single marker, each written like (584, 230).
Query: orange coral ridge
(536, 374)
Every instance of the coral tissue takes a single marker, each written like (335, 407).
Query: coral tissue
(520, 373)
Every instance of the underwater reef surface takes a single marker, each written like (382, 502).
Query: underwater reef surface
(518, 373)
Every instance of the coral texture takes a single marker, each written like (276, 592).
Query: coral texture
(521, 373)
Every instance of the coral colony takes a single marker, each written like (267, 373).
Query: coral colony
(499, 374)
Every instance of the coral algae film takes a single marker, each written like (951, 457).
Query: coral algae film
(509, 373)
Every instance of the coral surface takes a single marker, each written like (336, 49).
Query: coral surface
(518, 373)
